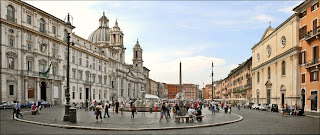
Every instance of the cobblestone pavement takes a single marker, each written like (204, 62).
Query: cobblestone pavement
(254, 122)
(55, 114)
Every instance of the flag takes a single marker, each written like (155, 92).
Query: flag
(45, 74)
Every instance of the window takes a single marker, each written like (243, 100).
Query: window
(29, 46)
(100, 81)
(54, 70)
(42, 27)
(269, 73)
(11, 63)
(315, 6)
(29, 66)
(11, 89)
(258, 77)
(54, 30)
(93, 66)
(94, 94)
(73, 95)
(65, 35)
(314, 76)
(303, 78)
(283, 67)
(42, 68)
(93, 78)
(315, 54)
(99, 67)
(303, 32)
(73, 59)
(80, 61)
(80, 75)
(29, 19)
(258, 57)
(303, 57)
(73, 74)
(53, 54)
(315, 26)
(80, 54)
(10, 13)
(283, 41)
(136, 54)
(87, 63)
(11, 42)
(303, 14)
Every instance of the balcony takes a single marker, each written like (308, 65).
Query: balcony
(312, 35)
(312, 64)
(11, 18)
(249, 85)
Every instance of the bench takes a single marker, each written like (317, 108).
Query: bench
(187, 118)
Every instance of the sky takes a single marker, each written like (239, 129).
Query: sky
(196, 33)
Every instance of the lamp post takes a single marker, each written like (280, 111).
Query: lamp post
(212, 80)
(67, 93)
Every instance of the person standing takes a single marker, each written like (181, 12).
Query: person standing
(18, 110)
(106, 110)
(117, 106)
(86, 105)
(98, 111)
(212, 107)
(177, 110)
(239, 106)
(14, 108)
(225, 106)
(133, 110)
(195, 105)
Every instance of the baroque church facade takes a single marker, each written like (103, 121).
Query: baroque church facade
(32, 40)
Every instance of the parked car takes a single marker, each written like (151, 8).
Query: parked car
(264, 107)
(45, 104)
(291, 110)
(27, 104)
(6, 105)
(248, 105)
(255, 106)
(273, 108)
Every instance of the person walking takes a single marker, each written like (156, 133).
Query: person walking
(121, 108)
(177, 109)
(18, 110)
(225, 106)
(163, 112)
(98, 111)
(14, 108)
(117, 106)
(133, 110)
(239, 106)
(106, 109)
(39, 104)
(212, 107)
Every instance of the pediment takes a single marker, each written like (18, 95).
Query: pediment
(268, 83)
(266, 33)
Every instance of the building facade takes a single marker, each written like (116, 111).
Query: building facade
(190, 91)
(309, 37)
(173, 89)
(32, 40)
(275, 65)
(153, 89)
(207, 92)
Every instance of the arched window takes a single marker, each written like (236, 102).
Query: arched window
(269, 73)
(258, 77)
(283, 67)
(42, 26)
(10, 13)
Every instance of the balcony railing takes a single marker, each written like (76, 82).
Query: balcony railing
(312, 34)
(248, 85)
(312, 64)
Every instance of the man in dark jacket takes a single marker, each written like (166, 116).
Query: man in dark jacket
(117, 106)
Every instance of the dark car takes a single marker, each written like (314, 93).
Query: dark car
(248, 105)
(291, 110)
(45, 104)
(6, 105)
(273, 108)
(27, 104)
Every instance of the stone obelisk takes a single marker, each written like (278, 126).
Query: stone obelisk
(180, 80)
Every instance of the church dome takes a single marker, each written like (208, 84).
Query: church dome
(102, 33)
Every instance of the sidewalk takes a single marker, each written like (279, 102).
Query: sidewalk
(54, 115)
(312, 114)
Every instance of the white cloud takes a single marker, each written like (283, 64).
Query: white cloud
(264, 18)
(287, 10)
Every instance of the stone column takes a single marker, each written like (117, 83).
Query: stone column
(26, 89)
(37, 89)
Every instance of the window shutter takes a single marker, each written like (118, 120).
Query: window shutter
(312, 8)
(300, 15)
(317, 76)
(317, 53)
(304, 57)
(300, 58)
(311, 76)
(300, 33)
(303, 78)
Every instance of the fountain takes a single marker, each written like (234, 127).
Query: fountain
(144, 103)
(180, 97)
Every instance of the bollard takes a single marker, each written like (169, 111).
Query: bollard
(73, 115)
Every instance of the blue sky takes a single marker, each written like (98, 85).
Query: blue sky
(193, 32)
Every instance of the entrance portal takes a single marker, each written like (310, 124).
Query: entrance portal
(43, 91)
(303, 95)
(87, 93)
(282, 99)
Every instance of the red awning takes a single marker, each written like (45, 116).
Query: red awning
(312, 96)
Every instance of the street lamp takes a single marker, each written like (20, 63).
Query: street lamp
(67, 106)
(212, 80)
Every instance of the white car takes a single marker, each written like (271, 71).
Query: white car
(255, 106)
(264, 107)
